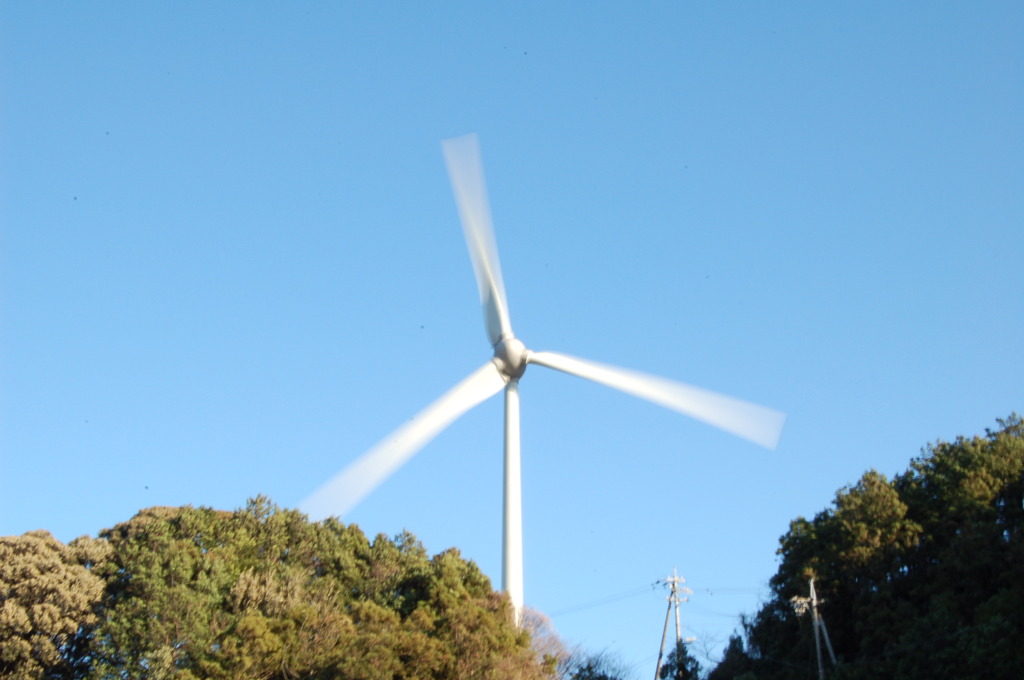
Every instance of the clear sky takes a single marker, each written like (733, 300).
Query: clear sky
(231, 263)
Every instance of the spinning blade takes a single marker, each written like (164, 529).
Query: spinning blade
(462, 155)
(759, 424)
(355, 482)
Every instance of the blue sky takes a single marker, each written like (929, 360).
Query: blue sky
(231, 263)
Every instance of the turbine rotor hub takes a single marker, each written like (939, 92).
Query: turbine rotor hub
(510, 357)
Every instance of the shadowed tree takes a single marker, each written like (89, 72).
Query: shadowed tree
(735, 663)
(680, 664)
(918, 577)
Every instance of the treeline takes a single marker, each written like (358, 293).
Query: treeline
(259, 593)
(921, 576)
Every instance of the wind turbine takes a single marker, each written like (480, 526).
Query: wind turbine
(503, 370)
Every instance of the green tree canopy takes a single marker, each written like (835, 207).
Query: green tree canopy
(258, 593)
(920, 576)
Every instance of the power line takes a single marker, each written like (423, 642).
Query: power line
(711, 612)
(640, 590)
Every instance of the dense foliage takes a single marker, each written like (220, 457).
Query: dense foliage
(919, 577)
(259, 593)
(48, 604)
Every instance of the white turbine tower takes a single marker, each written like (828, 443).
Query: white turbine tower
(756, 423)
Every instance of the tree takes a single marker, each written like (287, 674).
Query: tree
(260, 593)
(545, 642)
(48, 599)
(680, 664)
(581, 665)
(264, 593)
(735, 663)
(919, 576)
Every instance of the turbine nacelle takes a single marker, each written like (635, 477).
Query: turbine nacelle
(510, 356)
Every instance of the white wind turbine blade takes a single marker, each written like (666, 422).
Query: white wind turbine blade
(759, 424)
(462, 156)
(354, 483)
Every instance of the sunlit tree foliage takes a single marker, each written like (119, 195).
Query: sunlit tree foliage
(259, 593)
(48, 604)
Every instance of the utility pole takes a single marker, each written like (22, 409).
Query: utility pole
(801, 605)
(677, 594)
(820, 623)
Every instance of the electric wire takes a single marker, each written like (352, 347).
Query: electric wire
(639, 590)
(633, 592)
